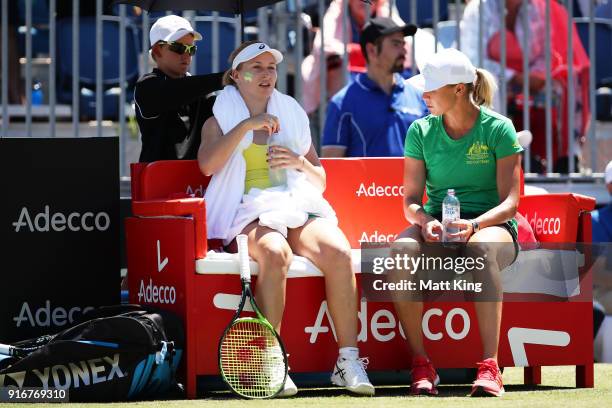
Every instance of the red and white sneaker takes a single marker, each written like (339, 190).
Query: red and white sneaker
(488, 380)
(424, 377)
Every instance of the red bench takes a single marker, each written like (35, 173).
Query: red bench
(170, 267)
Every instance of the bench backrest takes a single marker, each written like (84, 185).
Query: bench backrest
(167, 179)
(366, 195)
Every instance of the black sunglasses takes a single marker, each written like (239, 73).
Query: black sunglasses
(180, 48)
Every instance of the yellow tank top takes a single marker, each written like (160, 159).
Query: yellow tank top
(256, 167)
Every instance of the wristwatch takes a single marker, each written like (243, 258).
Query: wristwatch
(475, 227)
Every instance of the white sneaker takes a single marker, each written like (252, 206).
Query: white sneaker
(276, 376)
(351, 375)
(289, 390)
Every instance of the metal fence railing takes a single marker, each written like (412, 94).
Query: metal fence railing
(71, 94)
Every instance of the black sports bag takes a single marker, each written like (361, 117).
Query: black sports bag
(113, 353)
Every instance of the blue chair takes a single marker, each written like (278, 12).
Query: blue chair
(424, 11)
(221, 14)
(604, 10)
(603, 63)
(227, 38)
(603, 49)
(604, 104)
(40, 11)
(40, 27)
(87, 65)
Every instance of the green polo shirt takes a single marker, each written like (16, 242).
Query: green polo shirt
(468, 164)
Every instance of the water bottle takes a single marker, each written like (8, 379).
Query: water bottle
(37, 93)
(278, 177)
(451, 211)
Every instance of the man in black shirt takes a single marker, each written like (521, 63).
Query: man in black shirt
(172, 105)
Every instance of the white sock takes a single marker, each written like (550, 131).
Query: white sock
(349, 353)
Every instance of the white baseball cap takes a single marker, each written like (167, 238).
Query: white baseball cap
(171, 28)
(608, 173)
(252, 51)
(446, 67)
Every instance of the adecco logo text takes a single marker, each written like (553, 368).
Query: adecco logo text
(156, 294)
(198, 191)
(45, 316)
(384, 327)
(374, 190)
(377, 237)
(545, 226)
(45, 221)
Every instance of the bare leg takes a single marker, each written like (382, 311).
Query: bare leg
(325, 245)
(496, 243)
(273, 255)
(410, 312)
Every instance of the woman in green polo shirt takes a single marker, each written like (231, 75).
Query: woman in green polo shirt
(465, 146)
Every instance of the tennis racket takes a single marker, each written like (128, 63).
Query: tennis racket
(252, 358)
(24, 348)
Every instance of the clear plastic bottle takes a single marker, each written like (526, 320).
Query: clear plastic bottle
(278, 177)
(451, 211)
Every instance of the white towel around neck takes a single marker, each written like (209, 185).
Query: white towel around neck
(228, 210)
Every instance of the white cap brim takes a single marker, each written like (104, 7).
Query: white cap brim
(422, 84)
(180, 33)
(417, 81)
(253, 51)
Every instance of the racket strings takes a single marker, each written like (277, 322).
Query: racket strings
(252, 360)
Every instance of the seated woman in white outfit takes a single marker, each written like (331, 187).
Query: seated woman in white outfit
(279, 220)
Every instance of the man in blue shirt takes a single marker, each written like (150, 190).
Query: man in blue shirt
(371, 116)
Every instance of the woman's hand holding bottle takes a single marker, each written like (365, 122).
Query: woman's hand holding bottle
(263, 121)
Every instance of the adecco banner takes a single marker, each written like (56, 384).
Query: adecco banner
(555, 217)
(58, 232)
(368, 199)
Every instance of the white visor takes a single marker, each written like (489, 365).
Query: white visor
(253, 51)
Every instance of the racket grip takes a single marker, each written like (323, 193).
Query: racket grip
(5, 349)
(243, 257)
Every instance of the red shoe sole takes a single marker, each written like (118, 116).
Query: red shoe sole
(482, 392)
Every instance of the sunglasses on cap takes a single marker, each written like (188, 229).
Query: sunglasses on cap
(180, 48)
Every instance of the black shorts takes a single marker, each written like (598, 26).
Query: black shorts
(508, 226)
